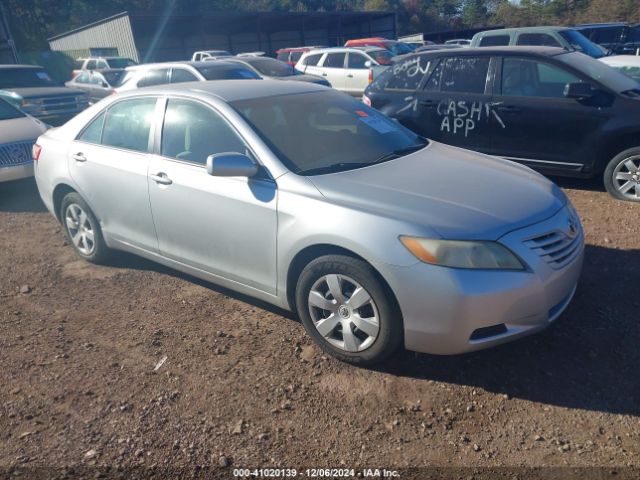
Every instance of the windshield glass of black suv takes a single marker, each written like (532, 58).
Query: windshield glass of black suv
(325, 132)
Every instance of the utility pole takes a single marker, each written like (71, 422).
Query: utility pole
(4, 26)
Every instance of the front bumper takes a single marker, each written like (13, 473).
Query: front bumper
(16, 172)
(450, 311)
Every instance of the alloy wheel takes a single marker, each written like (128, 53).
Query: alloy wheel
(80, 229)
(344, 313)
(626, 178)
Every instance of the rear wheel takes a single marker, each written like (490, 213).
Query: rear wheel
(347, 311)
(622, 175)
(82, 229)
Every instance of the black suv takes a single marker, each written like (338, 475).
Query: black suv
(560, 112)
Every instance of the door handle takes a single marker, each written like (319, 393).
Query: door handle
(349, 75)
(161, 178)
(79, 157)
(509, 109)
(324, 74)
(427, 103)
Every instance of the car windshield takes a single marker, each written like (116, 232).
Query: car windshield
(8, 111)
(603, 73)
(326, 132)
(583, 44)
(227, 72)
(271, 67)
(25, 78)
(397, 48)
(113, 78)
(121, 63)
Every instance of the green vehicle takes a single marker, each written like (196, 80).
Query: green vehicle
(563, 37)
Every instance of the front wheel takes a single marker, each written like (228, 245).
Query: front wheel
(622, 175)
(347, 311)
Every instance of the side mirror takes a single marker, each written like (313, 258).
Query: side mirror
(104, 84)
(368, 64)
(231, 164)
(578, 90)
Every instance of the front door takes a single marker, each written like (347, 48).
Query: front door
(543, 128)
(225, 226)
(357, 74)
(109, 162)
(333, 70)
(454, 105)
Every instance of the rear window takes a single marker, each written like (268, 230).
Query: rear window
(113, 78)
(219, 72)
(382, 57)
(295, 56)
(408, 74)
(155, 77)
(495, 41)
(537, 39)
(312, 60)
(121, 62)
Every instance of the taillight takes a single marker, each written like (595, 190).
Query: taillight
(366, 100)
(35, 152)
(370, 76)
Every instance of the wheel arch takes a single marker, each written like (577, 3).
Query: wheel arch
(615, 145)
(310, 253)
(59, 192)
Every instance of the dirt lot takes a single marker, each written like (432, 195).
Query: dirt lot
(242, 386)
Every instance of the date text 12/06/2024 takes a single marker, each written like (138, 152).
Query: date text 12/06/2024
(315, 473)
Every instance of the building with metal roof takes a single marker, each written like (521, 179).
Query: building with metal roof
(156, 37)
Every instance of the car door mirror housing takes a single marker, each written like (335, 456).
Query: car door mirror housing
(231, 164)
(578, 90)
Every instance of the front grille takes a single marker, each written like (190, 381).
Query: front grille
(18, 153)
(557, 248)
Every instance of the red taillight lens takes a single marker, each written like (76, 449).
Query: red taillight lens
(35, 152)
(370, 76)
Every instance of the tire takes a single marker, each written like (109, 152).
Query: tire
(622, 175)
(83, 229)
(365, 344)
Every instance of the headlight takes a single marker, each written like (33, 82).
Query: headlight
(462, 254)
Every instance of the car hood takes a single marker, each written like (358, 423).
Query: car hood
(20, 129)
(40, 92)
(456, 193)
(304, 77)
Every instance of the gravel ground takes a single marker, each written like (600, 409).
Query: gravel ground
(134, 365)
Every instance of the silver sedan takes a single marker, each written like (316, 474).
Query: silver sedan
(305, 198)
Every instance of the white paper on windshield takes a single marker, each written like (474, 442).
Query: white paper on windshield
(377, 124)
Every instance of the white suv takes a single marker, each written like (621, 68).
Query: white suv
(346, 68)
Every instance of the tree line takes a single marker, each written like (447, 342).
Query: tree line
(33, 21)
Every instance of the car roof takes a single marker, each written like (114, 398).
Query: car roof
(233, 90)
(363, 48)
(520, 50)
(502, 31)
(146, 66)
(3, 67)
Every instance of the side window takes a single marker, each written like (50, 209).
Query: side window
(128, 123)
(283, 56)
(312, 60)
(295, 56)
(433, 84)
(91, 65)
(180, 75)
(494, 41)
(407, 75)
(537, 39)
(154, 77)
(102, 64)
(93, 133)
(522, 77)
(192, 131)
(96, 79)
(356, 61)
(465, 74)
(334, 60)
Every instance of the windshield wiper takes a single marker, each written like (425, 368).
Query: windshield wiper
(334, 167)
(400, 152)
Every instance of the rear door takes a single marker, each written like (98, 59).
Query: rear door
(357, 74)
(454, 105)
(109, 162)
(333, 69)
(543, 128)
